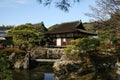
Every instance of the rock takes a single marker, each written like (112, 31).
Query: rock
(117, 67)
(65, 68)
(26, 62)
(25, 65)
(22, 62)
(12, 57)
(63, 57)
(18, 64)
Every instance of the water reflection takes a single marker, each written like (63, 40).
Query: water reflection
(42, 72)
(49, 76)
(36, 74)
(28, 75)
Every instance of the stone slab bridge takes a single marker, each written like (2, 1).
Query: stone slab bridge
(45, 60)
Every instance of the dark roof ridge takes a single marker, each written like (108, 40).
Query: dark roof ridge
(80, 22)
(39, 23)
(70, 22)
(68, 27)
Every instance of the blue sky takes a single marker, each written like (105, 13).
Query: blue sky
(16, 12)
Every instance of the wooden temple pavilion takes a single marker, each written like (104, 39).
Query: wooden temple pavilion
(5, 39)
(65, 32)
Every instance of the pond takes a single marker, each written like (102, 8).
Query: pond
(45, 72)
(32, 75)
(42, 72)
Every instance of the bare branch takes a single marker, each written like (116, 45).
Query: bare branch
(104, 9)
(61, 4)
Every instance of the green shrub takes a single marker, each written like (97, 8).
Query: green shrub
(7, 51)
(80, 47)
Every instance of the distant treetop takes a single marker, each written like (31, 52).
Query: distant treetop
(3, 27)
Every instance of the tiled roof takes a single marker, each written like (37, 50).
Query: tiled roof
(86, 32)
(41, 24)
(2, 38)
(4, 34)
(67, 27)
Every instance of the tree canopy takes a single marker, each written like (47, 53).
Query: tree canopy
(3, 27)
(26, 35)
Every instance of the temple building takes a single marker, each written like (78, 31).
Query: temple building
(63, 33)
(5, 39)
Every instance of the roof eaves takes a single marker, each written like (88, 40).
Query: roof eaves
(79, 22)
(87, 32)
(60, 32)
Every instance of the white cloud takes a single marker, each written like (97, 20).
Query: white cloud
(21, 1)
(12, 3)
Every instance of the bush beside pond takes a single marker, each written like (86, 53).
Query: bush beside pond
(8, 51)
